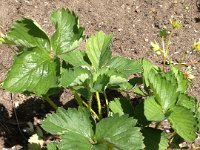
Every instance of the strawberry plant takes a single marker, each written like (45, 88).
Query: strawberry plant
(44, 66)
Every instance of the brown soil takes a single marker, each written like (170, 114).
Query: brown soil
(133, 23)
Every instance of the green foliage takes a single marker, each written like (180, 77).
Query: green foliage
(46, 65)
(76, 128)
(185, 125)
(169, 103)
(68, 33)
(121, 106)
(35, 68)
(34, 71)
(155, 139)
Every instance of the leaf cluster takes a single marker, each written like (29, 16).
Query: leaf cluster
(45, 65)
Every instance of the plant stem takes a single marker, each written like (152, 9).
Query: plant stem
(50, 102)
(99, 105)
(78, 98)
(168, 43)
(107, 105)
(92, 111)
(164, 52)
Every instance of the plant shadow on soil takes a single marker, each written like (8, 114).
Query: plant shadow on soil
(17, 128)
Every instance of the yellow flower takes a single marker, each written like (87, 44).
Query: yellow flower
(176, 24)
(196, 46)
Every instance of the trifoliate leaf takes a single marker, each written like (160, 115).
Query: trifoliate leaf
(164, 90)
(27, 33)
(152, 110)
(121, 106)
(98, 49)
(73, 77)
(69, 121)
(154, 139)
(183, 122)
(119, 133)
(125, 65)
(34, 71)
(68, 33)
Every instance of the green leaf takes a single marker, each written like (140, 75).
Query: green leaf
(68, 33)
(74, 141)
(75, 58)
(34, 71)
(119, 133)
(154, 139)
(183, 122)
(100, 83)
(121, 106)
(125, 65)
(139, 114)
(27, 33)
(181, 80)
(34, 146)
(73, 77)
(164, 90)
(152, 110)
(147, 67)
(187, 102)
(69, 121)
(52, 146)
(98, 49)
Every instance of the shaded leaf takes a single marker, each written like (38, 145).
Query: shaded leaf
(34, 71)
(27, 33)
(154, 139)
(139, 115)
(152, 110)
(68, 33)
(98, 49)
(121, 106)
(183, 122)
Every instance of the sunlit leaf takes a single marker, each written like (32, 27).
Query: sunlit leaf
(27, 33)
(183, 122)
(34, 71)
(68, 33)
(98, 49)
